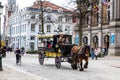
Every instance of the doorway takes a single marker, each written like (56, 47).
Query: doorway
(95, 42)
(106, 43)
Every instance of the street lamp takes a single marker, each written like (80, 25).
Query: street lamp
(41, 34)
(58, 30)
(1, 10)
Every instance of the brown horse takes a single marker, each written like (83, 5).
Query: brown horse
(78, 54)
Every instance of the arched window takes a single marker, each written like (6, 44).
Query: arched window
(60, 10)
(85, 39)
(48, 9)
(95, 39)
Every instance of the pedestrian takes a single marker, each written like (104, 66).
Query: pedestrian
(48, 44)
(11, 49)
(96, 53)
(22, 50)
(104, 51)
(8, 49)
(4, 49)
(92, 53)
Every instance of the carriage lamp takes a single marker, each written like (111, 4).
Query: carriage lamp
(1, 10)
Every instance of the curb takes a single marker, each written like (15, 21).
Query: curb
(26, 73)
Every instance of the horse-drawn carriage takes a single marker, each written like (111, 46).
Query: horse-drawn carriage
(50, 47)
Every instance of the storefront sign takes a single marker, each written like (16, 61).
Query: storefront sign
(112, 38)
(76, 40)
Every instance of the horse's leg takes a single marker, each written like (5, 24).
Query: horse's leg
(86, 64)
(81, 63)
(74, 63)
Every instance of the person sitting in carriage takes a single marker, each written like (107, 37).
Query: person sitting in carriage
(61, 43)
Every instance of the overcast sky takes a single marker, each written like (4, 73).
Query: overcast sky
(26, 3)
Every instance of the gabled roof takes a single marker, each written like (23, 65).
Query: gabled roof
(46, 4)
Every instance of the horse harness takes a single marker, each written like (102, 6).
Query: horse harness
(82, 51)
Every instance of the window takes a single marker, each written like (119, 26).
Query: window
(32, 16)
(60, 28)
(32, 44)
(108, 15)
(67, 18)
(37, 17)
(108, 6)
(48, 28)
(60, 18)
(67, 28)
(48, 18)
(40, 28)
(32, 38)
(32, 27)
(74, 19)
(97, 15)
(25, 27)
(108, 0)
(48, 9)
(60, 10)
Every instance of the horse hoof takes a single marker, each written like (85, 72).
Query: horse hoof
(81, 69)
(85, 66)
(74, 67)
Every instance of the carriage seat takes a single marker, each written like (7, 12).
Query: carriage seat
(51, 49)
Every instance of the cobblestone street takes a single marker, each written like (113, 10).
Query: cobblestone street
(11, 74)
(107, 68)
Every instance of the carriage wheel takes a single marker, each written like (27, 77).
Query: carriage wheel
(58, 62)
(74, 66)
(41, 58)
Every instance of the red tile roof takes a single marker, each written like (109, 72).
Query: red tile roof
(48, 4)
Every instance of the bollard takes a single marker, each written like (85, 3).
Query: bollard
(1, 69)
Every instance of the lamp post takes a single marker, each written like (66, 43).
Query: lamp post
(20, 36)
(1, 69)
(41, 16)
(41, 33)
(58, 30)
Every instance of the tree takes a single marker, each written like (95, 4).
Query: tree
(84, 7)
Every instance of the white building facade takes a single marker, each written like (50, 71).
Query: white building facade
(25, 25)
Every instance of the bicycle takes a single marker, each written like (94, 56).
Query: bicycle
(18, 59)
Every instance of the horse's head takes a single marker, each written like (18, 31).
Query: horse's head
(87, 50)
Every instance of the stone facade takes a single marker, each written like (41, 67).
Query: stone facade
(105, 34)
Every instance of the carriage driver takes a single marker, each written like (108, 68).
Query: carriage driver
(61, 43)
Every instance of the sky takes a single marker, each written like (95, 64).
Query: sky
(26, 3)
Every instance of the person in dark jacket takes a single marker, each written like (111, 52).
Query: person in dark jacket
(4, 49)
(18, 54)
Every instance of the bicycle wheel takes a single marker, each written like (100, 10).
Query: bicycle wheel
(20, 60)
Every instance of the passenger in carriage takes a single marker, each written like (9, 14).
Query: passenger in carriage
(61, 39)
(54, 41)
(48, 44)
(67, 40)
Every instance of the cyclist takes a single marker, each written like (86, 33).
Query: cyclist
(18, 55)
